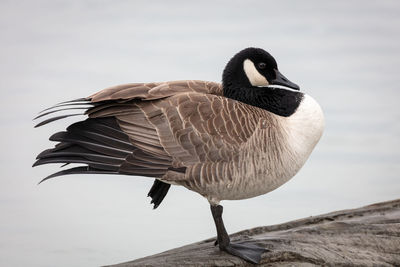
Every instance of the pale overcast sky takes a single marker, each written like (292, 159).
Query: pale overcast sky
(346, 54)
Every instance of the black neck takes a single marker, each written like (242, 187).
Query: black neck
(276, 100)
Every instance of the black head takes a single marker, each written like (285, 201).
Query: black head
(254, 67)
(250, 77)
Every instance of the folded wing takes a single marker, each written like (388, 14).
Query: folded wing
(153, 129)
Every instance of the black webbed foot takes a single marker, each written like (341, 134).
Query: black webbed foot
(249, 252)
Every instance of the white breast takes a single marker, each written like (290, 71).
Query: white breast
(304, 128)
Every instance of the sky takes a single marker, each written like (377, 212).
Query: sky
(346, 54)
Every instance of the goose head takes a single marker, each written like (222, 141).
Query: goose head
(252, 76)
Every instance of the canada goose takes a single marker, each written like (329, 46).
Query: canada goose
(235, 140)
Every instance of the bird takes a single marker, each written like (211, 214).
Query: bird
(233, 140)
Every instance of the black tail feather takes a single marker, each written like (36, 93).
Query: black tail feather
(57, 110)
(76, 151)
(103, 147)
(90, 163)
(83, 104)
(78, 170)
(79, 101)
(57, 147)
(57, 118)
(82, 99)
(94, 134)
(158, 192)
(107, 126)
(90, 144)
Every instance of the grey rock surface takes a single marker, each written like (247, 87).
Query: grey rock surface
(367, 236)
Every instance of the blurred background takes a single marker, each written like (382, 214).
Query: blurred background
(346, 54)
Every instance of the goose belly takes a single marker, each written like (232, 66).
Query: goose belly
(239, 179)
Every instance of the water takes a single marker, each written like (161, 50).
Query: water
(344, 54)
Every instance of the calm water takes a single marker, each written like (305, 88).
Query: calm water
(345, 54)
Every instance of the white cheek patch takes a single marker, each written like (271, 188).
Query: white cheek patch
(255, 78)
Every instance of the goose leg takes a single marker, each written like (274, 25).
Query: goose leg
(248, 252)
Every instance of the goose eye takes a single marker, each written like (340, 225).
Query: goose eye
(262, 65)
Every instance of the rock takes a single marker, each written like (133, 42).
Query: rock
(368, 236)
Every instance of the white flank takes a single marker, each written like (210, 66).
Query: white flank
(255, 78)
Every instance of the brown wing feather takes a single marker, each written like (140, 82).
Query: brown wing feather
(187, 122)
(183, 132)
(195, 127)
(151, 91)
(188, 127)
